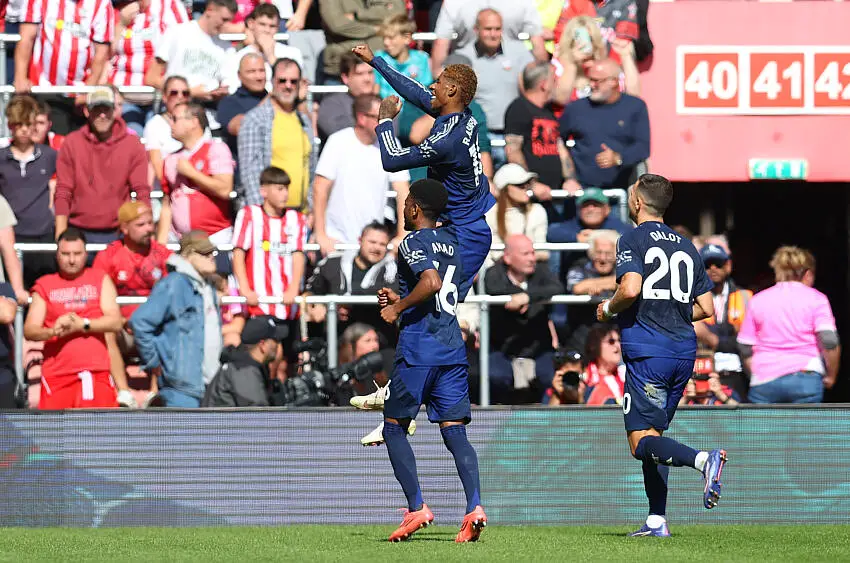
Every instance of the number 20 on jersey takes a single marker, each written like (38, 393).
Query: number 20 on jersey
(762, 80)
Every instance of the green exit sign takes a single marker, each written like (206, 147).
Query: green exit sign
(778, 169)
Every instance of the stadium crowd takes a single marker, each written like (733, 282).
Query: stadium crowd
(224, 156)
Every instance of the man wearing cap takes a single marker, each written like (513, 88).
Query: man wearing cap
(135, 262)
(100, 167)
(243, 380)
(719, 332)
(594, 212)
(178, 329)
(610, 130)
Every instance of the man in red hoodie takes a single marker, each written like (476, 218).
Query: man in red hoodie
(99, 168)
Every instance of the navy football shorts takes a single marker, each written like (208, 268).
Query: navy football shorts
(444, 390)
(474, 240)
(653, 389)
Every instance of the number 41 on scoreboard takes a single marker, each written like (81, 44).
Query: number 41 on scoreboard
(762, 80)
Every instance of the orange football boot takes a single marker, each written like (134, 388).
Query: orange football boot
(412, 522)
(473, 524)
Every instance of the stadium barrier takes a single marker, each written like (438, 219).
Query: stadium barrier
(565, 465)
(332, 301)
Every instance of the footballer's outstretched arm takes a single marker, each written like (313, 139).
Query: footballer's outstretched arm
(409, 89)
(703, 307)
(395, 158)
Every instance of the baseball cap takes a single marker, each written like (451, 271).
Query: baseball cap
(131, 210)
(100, 96)
(713, 253)
(592, 194)
(512, 175)
(196, 241)
(260, 328)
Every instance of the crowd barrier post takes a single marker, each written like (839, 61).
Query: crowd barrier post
(331, 327)
(19, 325)
(484, 353)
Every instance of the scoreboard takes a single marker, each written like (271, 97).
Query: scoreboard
(762, 80)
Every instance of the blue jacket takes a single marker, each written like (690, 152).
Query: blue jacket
(622, 126)
(169, 329)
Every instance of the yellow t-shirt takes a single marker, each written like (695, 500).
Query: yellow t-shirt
(291, 152)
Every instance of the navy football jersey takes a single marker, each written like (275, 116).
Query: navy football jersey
(430, 334)
(450, 152)
(659, 323)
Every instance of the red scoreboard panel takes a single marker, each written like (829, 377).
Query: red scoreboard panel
(762, 80)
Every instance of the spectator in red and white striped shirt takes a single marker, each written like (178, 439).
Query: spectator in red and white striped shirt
(197, 180)
(63, 43)
(268, 249)
(139, 26)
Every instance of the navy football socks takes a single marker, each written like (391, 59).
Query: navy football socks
(466, 461)
(404, 464)
(655, 483)
(665, 451)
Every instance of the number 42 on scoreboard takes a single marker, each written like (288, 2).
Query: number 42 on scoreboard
(757, 80)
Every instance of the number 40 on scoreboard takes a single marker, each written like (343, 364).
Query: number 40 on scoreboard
(760, 80)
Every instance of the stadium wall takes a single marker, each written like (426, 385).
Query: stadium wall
(273, 467)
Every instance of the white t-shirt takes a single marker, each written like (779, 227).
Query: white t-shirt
(281, 51)
(189, 52)
(360, 184)
(157, 135)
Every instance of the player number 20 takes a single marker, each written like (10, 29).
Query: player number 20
(671, 266)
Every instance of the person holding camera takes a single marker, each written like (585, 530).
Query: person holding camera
(243, 379)
(706, 389)
(567, 386)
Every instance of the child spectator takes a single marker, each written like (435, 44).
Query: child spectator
(397, 32)
(268, 250)
(27, 181)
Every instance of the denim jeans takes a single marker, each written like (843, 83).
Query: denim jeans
(798, 387)
(176, 399)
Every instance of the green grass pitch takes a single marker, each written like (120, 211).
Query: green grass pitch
(718, 544)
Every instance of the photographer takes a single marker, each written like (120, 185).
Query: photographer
(317, 385)
(705, 388)
(243, 379)
(567, 386)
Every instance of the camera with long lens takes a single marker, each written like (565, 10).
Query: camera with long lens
(317, 384)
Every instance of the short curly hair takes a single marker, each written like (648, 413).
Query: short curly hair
(465, 79)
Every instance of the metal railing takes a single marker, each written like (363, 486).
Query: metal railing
(332, 301)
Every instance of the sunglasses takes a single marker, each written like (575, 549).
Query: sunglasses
(612, 341)
(715, 263)
(288, 81)
(184, 93)
(212, 254)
